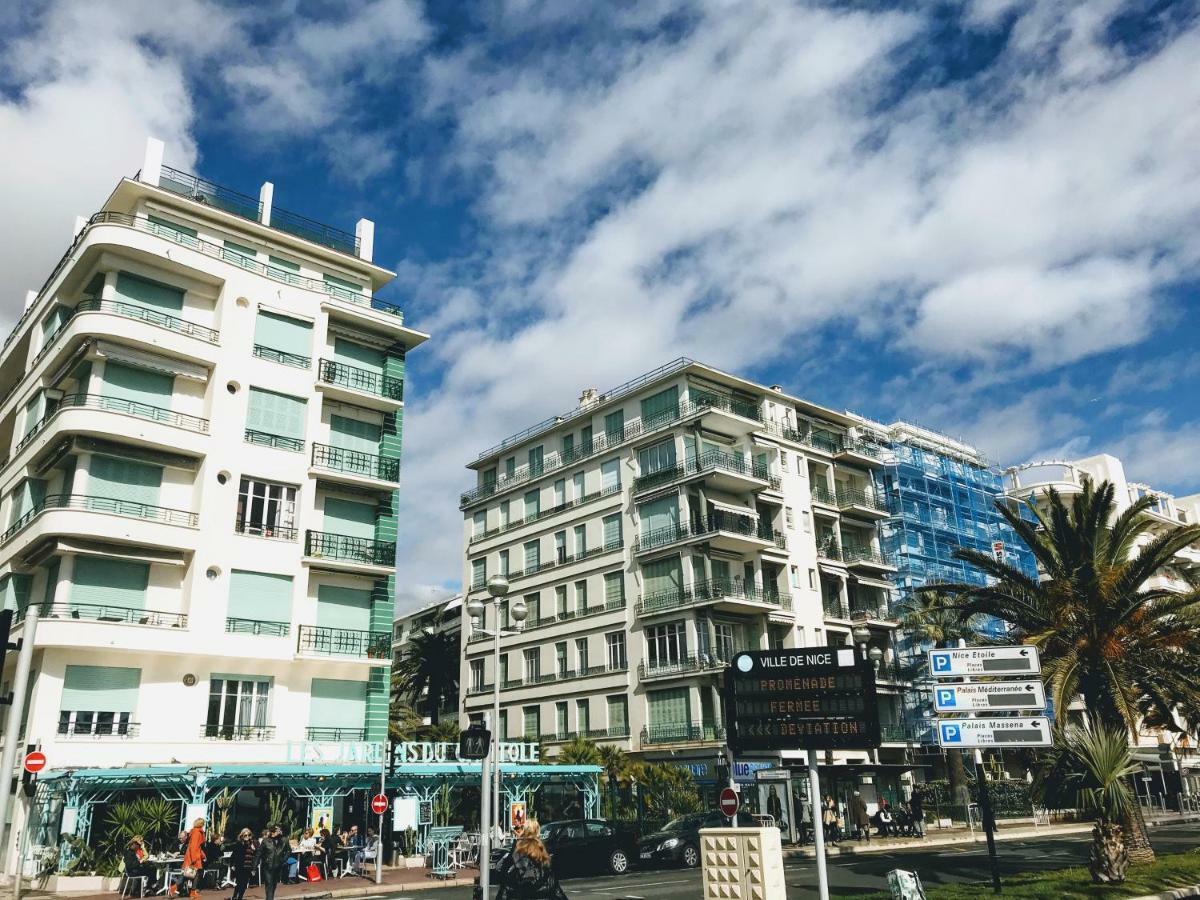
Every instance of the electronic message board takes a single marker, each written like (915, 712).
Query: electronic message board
(807, 698)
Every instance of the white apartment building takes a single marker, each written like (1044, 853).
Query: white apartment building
(1170, 756)
(653, 532)
(201, 423)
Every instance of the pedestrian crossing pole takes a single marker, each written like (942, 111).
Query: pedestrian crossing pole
(818, 827)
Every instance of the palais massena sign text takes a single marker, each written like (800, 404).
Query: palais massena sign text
(409, 752)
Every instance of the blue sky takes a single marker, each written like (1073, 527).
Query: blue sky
(980, 216)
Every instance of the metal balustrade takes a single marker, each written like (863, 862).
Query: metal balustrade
(852, 553)
(709, 591)
(358, 379)
(678, 734)
(276, 441)
(591, 734)
(715, 522)
(238, 732)
(102, 612)
(295, 360)
(346, 548)
(265, 530)
(684, 665)
(110, 505)
(708, 461)
(319, 640)
(354, 462)
(568, 615)
(323, 733)
(235, 625)
(118, 405)
(847, 498)
(544, 514)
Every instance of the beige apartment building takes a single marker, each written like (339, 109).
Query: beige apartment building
(654, 531)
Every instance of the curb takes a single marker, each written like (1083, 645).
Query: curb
(1177, 894)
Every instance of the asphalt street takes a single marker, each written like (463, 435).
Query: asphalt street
(854, 875)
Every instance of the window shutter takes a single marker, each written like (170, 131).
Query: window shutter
(669, 708)
(349, 518)
(124, 479)
(352, 434)
(610, 475)
(661, 407)
(102, 581)
(137, 385)
(614, 425)
(283, 333)
(659, 514)
(337, 704)
(100, 689)
(614, 587)
(343, 607)
(532, 555)
(260, 596)
(612, 530)
(144, 292)
(359, 355)
(276, 414)
(532, 505)
(663, 575)
(618, 714)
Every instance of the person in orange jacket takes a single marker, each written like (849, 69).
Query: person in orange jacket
(193, 858)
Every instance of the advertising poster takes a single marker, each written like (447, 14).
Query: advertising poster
(321, 817)
(516, 813)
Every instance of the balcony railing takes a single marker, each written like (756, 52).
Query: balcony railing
(708, 461)
(357, 379)
(345, 548)
(860, 554)
(354, 462)
(295, 360)
(549, 677)
(821, 494)
(544, 514)
(828, 549)
(322, 641)
(678, 734)
(277, 441)
(235, 625)
(264, 530)
(847, 498)
(129, 310)
(565, 616)
(109, 505)
(325, 733)
(238, 732)
(706, 592)
(715, 522)
(310, 230)
(98, 612)
(701, 662)
(118, 405)
(591, 734)
(96, 724)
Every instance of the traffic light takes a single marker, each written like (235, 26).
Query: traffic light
(475, 742)
(6, 618)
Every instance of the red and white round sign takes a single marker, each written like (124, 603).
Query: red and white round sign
(379, 804)
(35, 761)
(729, 802)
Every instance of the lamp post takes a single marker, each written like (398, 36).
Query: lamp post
(497, 588)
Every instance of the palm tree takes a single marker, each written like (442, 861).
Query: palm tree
(426, 673)
(616, 765)
(1089, 769)
(579, 752)
(1131, 651)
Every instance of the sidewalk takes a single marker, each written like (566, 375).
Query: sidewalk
(1020, 830)
(409, 879)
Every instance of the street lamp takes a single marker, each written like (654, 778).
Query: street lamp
(497, 588)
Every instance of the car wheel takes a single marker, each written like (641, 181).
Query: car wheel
(618, 862)
(690, 856)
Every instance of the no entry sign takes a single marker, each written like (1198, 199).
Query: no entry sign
(379, 804)
(35, 761)
(728, 804)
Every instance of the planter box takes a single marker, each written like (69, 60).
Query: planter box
(82, 884)
(413, 862)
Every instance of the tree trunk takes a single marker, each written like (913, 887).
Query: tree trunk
(957, 774)
(1109, 860)
(1136, 838)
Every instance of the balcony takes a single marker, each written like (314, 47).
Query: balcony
(731, 594)
(234, 625)
(355, 465)
(117, 405)
(345, 551)
(145, 314)
(828, 550)
(244, 206)
(265, 530)
(726, 471)
(94, 724)
(326, 733)
(861, 504)
(548, 621)
(824, 500)
(238, 732)
(108, 505)
(868, 558)
(543, 514)
(858, 453)
(120, 615)
(361, 386)
(682, 734)
(274, 441)
(317, 640)
(694, 664)
(295, 360)
(735, 532)
(615, 733)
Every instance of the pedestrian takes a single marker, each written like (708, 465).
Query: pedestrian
(917, 805)
(886, 820)
(526, 872)
(193, 860)
(136, 866)
(241, 860)
(272, 854)
(860, 817)
(829, 819)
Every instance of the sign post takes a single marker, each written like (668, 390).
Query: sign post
(803, 698)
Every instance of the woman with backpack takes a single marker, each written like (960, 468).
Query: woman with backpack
(526, 873)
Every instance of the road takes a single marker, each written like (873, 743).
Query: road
(854, 875)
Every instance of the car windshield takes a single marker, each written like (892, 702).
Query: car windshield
(682, 823)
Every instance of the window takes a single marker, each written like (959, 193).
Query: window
(658, 458)
(488, 477)
(503, 567)
(560, 547)
(533, 664)
(663, 577)
(510, 467)
(581, 595)
(795, 576)
(583, 717)
(477, 675)
(618, 715)
(560, 718)
(144, 292)
(726, 634)
(581, 655)
(783, 460)
(560, 493)
(478, 572)
(275, 419)
(615, 641)
(505, 726)
(776, 639)
(283, 339)
(532, 716)
(533, 604)
(286, 265)
(98, 700)
(806, 520)
(585, 438)
(560, 600)
(812, 579)
(533, 555)
(612, 531)
(504, 514)
(568, 446)
(503, 669)
(801, 637)
(660, 517)
(560, 659)
(479, 523)
(577, 487)
(660, 408)
(614, 425)
(669, 712)
(787, 518)
(237, 706)
(103, 582)
(614, 589)
(610, 476)
(535, 460)
(258, 600)
(580, 541)
(532, 505)
(666, 645)
(266, 509)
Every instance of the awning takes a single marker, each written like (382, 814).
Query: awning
(872, 582)
(137, 358)
(746, 511)
(122, 551)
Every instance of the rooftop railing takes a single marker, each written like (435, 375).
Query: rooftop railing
(342, 374)
(110, 505)
(346, 548)
(354, 462)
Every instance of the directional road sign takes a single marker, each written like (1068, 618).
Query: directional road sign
(814, 698)
(964, 734)
(984, 661)
(992, 695)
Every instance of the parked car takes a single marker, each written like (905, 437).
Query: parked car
(581, 846)
(678, 842)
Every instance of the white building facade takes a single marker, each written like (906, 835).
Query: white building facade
(201, 416)
(655, 531)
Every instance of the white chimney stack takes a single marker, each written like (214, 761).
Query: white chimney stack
(152, 164)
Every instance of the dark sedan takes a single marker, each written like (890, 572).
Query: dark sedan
(579, 847)
(678, 843)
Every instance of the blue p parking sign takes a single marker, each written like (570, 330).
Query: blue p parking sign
(941, 662)
(947, 697)
(951, 733)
